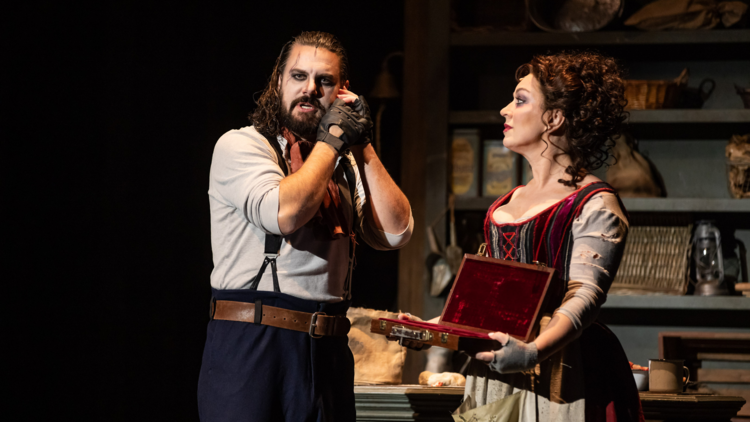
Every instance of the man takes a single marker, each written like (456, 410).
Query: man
(288, 197)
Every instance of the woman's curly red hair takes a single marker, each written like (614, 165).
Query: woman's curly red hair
(590, 91)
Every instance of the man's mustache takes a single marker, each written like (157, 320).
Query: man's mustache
(306, 99)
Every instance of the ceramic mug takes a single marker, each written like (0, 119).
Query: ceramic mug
(666, 376)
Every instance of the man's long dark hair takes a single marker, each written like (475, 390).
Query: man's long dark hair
(266, 118)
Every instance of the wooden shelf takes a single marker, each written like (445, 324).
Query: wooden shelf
(686, 205)
(723, 303)
(729, 36)
(641, 204)
(690, 407)
(492, 117)
(690, 116)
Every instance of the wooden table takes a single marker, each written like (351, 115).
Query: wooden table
(690, 407)
(433, 404)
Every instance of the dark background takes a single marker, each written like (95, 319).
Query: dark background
(112, 110)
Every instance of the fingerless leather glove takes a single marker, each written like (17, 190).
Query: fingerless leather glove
(351, 123)
(361, 107)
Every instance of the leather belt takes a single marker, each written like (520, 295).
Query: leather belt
(317, 324)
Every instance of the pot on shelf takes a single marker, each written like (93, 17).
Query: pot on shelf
(573, 15)
(695, 97)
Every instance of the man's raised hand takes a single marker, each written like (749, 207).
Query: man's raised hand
(360, 106)
(354, 126)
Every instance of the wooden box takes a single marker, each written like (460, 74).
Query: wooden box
(489, 295)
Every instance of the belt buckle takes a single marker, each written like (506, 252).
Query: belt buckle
(313, 324)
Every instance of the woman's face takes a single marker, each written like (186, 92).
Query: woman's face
(523, 117)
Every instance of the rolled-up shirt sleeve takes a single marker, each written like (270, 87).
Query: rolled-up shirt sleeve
(382, 240)
(599, 235)
(245, 174)
(366, 229)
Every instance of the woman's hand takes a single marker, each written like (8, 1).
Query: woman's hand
(408, 317)
(514, 356)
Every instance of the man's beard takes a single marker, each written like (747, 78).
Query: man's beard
(305, 125)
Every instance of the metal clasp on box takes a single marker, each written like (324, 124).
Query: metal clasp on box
(539, 264)
(409, 334)
(482, 250)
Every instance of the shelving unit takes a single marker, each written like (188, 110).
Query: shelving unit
(674, 125)
(687, 205)
(690, 116)
(637, 320)
(431, 50)
(706, 303)
(729, 36)
(703, 205)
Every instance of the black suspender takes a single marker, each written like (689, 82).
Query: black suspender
(273, 241)
(276, 147)
(351, 180)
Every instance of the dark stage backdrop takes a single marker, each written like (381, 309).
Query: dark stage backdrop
(112, 112)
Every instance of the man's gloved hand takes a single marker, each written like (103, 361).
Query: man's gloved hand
(514, 356)
(361, 107)
(351, 123)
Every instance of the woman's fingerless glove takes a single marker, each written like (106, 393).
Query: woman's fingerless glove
(515, 356)
(351, 123)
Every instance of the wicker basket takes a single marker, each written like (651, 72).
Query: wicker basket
(656, 260)
(651, 95)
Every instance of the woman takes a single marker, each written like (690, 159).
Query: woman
(566, 110)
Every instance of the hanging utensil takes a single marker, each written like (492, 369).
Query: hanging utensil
(439, 268)
(453, 253)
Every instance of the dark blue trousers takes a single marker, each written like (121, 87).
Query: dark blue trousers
(259, 373)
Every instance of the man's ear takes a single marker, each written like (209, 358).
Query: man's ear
(346, 85)
(279, 84)
(554, 120)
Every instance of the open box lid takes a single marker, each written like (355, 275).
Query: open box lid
(492, 295)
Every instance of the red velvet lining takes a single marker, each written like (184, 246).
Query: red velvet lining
(440, 328)
(496, 297)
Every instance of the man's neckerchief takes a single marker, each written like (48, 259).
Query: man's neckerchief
(330, 215)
